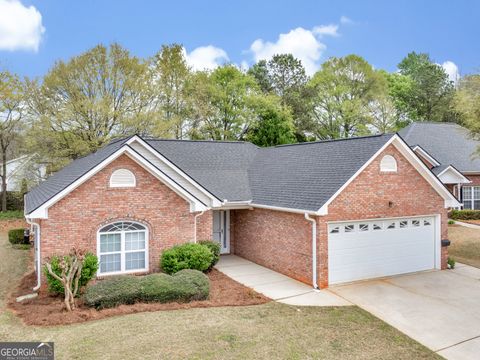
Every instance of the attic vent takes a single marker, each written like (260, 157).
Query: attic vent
(122, 178)
(388, 164)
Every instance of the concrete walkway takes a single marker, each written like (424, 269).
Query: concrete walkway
(274, 285)
(471, 226)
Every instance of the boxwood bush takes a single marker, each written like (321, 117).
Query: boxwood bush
(15, 236)
(214, 248)
(89, 270)
(184, 286)
(186, 256)
(465, 214)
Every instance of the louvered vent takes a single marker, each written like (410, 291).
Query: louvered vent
(122, 178)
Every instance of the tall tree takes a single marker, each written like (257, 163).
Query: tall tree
(84, 102)
(467, 102)
(344, 90)
(12, 109)
(170, 77)
(430, 98)
(222, 105)
(284, 76)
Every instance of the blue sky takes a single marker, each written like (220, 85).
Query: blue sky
(34, 34)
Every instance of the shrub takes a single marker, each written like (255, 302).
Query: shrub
(89, 270)
(186, 256)
(113, 291)
(214, 248)
(15, 236)
(184, 286)
(11, 214)
(451, 263)
(465, 214)
(451, 222)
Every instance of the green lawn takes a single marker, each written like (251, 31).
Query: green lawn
(270, 331)
(465, 244)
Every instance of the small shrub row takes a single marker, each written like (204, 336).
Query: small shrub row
(465, 214)
(184, 286)
(11, 214)
(89, 271)
(15, 236)
(201, 256)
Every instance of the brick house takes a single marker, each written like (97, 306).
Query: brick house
(449, 150)
(323, 212)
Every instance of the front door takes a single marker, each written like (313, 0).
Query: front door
(221, 229)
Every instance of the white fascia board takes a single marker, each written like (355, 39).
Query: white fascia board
(42, 211)
(462, 178)
(426, 155)
(147, 146)
(279, 208)
(410, 155)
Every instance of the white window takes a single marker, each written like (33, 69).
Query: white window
(349, 228)
(388, 164)
(122, 247)
(122, 178)
(471, 197)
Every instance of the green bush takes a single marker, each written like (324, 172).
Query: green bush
(184, 286)
(465, 214)
(451, 222)
(451, 263)
(214, 248)
(11, 214)
(186, 256)
(15, 236)
(89, 270)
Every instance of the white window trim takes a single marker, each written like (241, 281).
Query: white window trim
(385, 168)
(113, 185)
(123, 251)
(472, 199)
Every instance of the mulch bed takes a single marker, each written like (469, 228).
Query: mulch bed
(47, 310)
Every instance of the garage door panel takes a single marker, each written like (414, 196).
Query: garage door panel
(370, 249)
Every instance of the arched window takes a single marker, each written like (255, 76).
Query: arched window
(388, 164)
(122, 178)
(122, 247)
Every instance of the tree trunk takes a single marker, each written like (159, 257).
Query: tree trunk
(4, 180)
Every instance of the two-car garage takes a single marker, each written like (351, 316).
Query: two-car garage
(375, 248)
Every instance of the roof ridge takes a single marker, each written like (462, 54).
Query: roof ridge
(205, 141)
(333, 140)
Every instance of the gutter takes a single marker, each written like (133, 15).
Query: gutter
(314, 250)
(195, 225)
(38, 253)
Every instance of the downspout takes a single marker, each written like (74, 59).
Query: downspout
(38, 253)
(314, 250)
(195, 225)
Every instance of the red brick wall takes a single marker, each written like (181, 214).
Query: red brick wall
(75, 220)
(282, 241)
(475, 179)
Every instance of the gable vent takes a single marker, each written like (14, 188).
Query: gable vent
(122, 178)
(388, 164)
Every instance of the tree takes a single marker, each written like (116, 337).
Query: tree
(273, 124)
(222, 103)
(84, 102)
(284, 76)
(344, 89)
(430, 96)
(12, 109)
(467, 102)
(170, 74)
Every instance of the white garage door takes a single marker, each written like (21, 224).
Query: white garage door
(375, 248)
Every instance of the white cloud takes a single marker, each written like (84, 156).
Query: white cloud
(326, 30)
(302, 43)
(345, 20)
(20, 26)
(206, 57)
(452, 71)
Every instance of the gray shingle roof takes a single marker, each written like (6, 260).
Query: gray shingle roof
(448, 143)
(300, 176)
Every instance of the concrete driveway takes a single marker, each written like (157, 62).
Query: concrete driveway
(440, 309)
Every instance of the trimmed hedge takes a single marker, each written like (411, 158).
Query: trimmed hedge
(186, 256)
(465, 215)
(89, 270)
(15, 236)
(184, 286)
(214, 248)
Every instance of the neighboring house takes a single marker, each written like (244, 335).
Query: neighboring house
(450, 152)
(24, 167)
(323, 212)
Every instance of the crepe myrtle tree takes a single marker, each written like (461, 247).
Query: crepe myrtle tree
(71, 271)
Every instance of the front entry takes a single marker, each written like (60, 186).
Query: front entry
(221, 229)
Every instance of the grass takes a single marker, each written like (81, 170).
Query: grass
(465, 245)
(11, 214)
(270, 331)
